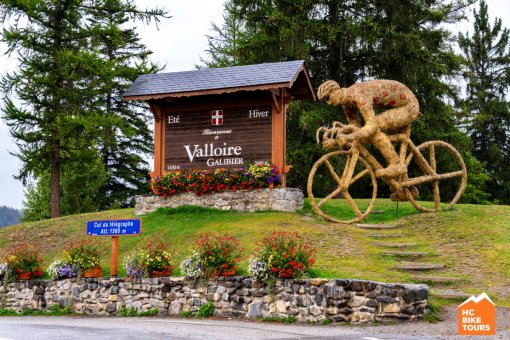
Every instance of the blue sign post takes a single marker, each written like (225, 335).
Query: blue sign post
(114, 228)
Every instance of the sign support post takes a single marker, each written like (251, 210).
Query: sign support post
(114, 262)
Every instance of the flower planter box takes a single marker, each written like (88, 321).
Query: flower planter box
(93, 272)
(165, 272)
(24, 276)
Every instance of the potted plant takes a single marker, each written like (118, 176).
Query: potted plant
(281, 254)
(61, 269)
(216, 255)
(153, 260)
(24, 262)
(85, 255)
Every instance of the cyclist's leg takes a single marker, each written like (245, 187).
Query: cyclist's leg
(393, 120)
(395, 167)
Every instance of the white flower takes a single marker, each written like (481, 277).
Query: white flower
(259, 269)
(191, 266)
(3, 269)
(53, 269)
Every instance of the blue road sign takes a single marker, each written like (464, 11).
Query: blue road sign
(114, 228)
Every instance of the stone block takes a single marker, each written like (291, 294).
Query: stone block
(315, 310)
(415, 293)
(254, 310)
(110, 307)
(362, 317)
(389, 308)
(386, 299)
(356, 301)
(318, 282)
(281, 306)
(300, 301)
(175, 308)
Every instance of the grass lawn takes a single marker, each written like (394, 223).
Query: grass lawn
(473, 241)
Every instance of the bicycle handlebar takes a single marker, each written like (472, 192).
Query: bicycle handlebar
(338, 128)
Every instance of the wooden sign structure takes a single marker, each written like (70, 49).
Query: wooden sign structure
(224, 117)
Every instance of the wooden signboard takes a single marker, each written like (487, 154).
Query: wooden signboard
(218, 138)
(224, 117)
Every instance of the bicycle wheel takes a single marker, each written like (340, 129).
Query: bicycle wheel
(438, 173)
(356, 178)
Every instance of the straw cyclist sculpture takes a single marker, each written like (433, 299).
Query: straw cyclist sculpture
(398, 108)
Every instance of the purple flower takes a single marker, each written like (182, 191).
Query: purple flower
(67, 271)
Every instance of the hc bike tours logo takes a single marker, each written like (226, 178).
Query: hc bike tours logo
(477, 316)
(217, 117)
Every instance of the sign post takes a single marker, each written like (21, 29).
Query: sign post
(114, 228)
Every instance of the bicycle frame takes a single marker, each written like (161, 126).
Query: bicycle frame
(398, 186)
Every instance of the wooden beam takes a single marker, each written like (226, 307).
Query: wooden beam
(163, 139)
(279, 135)
(283, 108)
(158, 139)
(155, 109)
(275, 103)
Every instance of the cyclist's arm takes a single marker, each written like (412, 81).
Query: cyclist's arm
(370, 127)
(352, 117)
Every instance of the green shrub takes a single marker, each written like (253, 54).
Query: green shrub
(206, 310)
(125, 312)
(7, 311)
(186, 314)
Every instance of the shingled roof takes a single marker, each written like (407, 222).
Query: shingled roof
(223, 80)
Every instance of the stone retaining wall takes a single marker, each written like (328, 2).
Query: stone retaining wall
(281, 199)
(307, 300)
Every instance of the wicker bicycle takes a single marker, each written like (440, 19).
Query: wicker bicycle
(353, 164)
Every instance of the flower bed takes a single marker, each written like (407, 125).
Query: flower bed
(202, 182)
(153, 260)
(217, 255)
(282, 254)
(85, 255)
(23, 262)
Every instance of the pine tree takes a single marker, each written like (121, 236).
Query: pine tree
(224, 44)
(61, 73)
(124, 136)
(486, 108)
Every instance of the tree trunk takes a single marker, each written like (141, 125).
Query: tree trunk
(55, 182)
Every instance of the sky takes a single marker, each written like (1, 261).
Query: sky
(178, 44)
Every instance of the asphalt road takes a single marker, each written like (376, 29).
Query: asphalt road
(164, 328)
(73, 327)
